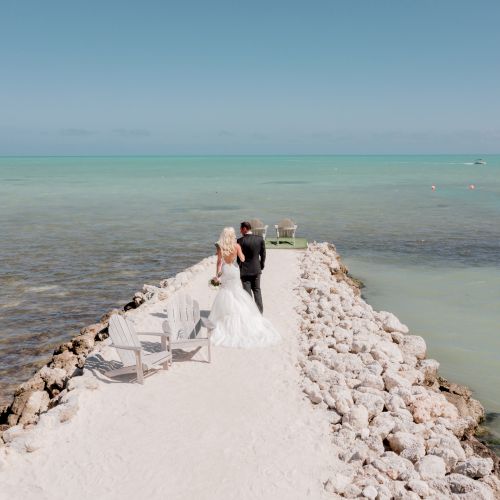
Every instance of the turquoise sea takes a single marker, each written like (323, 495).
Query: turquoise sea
(82, 234)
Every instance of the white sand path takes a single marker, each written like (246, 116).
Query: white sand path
(238, 428)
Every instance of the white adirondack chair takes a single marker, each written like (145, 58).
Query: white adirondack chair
(259, 228)
(183, 324)
(285, 229)
(126, 342)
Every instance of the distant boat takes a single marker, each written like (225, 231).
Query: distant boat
(479, 161)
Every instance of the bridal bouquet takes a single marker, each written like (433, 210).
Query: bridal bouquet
(214, 283)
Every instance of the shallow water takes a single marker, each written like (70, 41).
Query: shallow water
(81, 235)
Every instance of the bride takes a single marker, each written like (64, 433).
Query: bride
(237, 320)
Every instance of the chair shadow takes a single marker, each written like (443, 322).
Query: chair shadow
(203, 313)
(99, 366)
(160, 315)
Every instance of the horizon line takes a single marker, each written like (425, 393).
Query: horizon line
(201, 155)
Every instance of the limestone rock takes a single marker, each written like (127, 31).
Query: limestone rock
(35, 383)
(407, 445)
(92, 330)
(66, 346)
(372, 380)
(394, 403)
(460, 484)
(382, 425)
(342, 335)
(54, 378)
(329, 400)
(370, 492)
(351, 491)
(429, 367)
(421, 488)
(373, 403)
(67, 361)
(413, 345)
(356, 418)
(314, 393)
(431, 467)
(315, 371)
(447, 447)
(393, 379)
(394, 466)
(105, 318)
(389, 349)
(82, 344)
(467, 407)
(429, 406)
(21, 397)
(337, 483)
(493, 482)
(475, 467)
(391, 323)
(37, 402)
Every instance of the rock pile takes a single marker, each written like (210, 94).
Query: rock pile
(45, 389)
(399, 430)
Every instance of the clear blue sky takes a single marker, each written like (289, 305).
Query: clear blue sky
(259, 77)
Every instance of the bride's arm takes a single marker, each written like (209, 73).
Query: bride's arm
(240, 253)
(218, 269)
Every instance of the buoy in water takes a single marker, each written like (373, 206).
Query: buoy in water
(472, 186)
(433, 187)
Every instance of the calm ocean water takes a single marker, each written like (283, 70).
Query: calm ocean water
(81, 235)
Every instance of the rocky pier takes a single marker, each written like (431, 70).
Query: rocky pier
(399, 429)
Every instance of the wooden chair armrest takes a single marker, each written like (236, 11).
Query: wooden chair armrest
(207, 323)
(166, 327)
(126, 347)
(155, 334)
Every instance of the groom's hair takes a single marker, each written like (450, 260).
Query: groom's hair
(246, 225)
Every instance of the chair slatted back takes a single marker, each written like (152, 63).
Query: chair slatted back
(123, 333)
(286, 228)
(256, 224)
(183, 316)
(258, 227)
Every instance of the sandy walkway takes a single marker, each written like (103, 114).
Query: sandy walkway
(238, 428)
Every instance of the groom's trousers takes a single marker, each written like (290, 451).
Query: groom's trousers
(251, 284)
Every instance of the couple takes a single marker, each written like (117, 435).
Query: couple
(237, 318)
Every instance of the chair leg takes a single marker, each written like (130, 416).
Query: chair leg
(209, 347)
(168, 347)
(140, 373)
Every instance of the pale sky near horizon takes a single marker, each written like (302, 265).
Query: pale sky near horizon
(261, 77)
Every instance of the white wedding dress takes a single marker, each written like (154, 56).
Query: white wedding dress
(238, 322)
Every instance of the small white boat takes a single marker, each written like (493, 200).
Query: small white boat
(479, 161)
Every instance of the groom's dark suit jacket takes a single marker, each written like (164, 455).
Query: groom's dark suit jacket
(254, 250)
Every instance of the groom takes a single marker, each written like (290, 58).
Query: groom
(254, 250)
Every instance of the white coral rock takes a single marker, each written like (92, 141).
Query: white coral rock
(431, 467)
(475, 467)
(356, 418)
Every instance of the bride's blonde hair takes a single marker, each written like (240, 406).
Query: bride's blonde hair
(227, 241)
